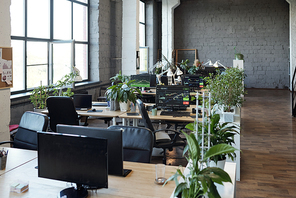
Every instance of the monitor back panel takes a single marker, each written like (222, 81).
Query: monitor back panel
(114, 137)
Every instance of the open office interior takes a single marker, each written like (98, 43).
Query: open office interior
(263, 31)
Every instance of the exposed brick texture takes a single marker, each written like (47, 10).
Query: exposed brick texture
(258, 29)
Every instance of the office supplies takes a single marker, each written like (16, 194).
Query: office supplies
(73, 158)
(114, 137)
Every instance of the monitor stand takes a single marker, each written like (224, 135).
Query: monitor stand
(73, 192)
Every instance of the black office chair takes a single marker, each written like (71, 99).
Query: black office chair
(61, 110)
(162, 138)
(137, 143)
(26, 135)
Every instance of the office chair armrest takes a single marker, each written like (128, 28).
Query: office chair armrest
(6, 142)
(177, 133)
(167, 130)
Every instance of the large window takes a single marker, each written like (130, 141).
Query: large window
(48, 38)
(142, 39)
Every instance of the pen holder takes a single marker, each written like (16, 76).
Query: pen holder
(3, 162)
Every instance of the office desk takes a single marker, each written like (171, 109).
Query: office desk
(105, 113)
(23, 156)
(139, 183)
(188, 119)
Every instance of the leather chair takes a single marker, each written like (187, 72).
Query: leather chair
(61, 110)
(162, 138)
(26, 135)
(137, 143)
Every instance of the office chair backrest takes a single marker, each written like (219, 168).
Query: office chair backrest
(61, 110)
(137, 143)
(26, 135)
(146, 120)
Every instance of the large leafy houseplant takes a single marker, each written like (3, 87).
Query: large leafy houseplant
(201, 180)
(39, 96)
(227, 88)
(220, 133)
(123, 92)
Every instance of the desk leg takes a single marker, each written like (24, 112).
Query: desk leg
(114, 121)
(135, 122)
(123, 122)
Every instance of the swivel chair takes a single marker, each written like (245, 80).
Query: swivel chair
(61, 110)
(161, 137)
(26, 135)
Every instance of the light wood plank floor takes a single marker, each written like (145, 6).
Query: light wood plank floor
(268, 145)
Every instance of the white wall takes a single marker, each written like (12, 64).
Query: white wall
(168, 7)
(130, 36)
(4, 93)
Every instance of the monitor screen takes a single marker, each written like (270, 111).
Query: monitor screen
(141, 80)
(72, 158)
(193, 81)
(82, 101)
(174, 97)
(114, 137)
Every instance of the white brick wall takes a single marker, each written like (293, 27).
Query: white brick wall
(258, 29)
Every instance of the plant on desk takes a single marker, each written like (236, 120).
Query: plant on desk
(124, 93)
(200, 180)
(219, 134)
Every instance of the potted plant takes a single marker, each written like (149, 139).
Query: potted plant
(123, 93)
(219, 134)
(238, 56)
(200, 180)
(65, 81)
(39, 96)
(227, 90)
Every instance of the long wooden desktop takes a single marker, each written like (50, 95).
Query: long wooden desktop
(139, 183)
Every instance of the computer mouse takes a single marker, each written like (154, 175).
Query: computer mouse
(94, 110)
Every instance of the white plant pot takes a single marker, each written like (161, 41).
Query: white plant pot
(125, 106)
(220, 164)
(38, 110)
(227, 116)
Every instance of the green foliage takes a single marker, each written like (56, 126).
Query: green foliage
(227, 88)
(120, 78)
(219, 134)
(39, 95)
(122, 92)
(184, 65)
(200, 181)
(66, 80)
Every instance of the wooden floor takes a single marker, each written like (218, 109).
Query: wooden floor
(268, 145)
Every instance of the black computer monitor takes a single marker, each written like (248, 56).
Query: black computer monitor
(195, 82)
(82, 101)
(114, 137)
(141, 80)
(172, 97)
(73, 158)
(144, 80)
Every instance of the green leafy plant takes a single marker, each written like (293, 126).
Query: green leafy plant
(184, 65)
(123, 92)
(201, 180)
(66, 80)
(219, 134)
(227, 88)
(120, 78)
(238, 56)
(39, 96)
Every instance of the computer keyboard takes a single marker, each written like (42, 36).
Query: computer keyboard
(175, 113)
